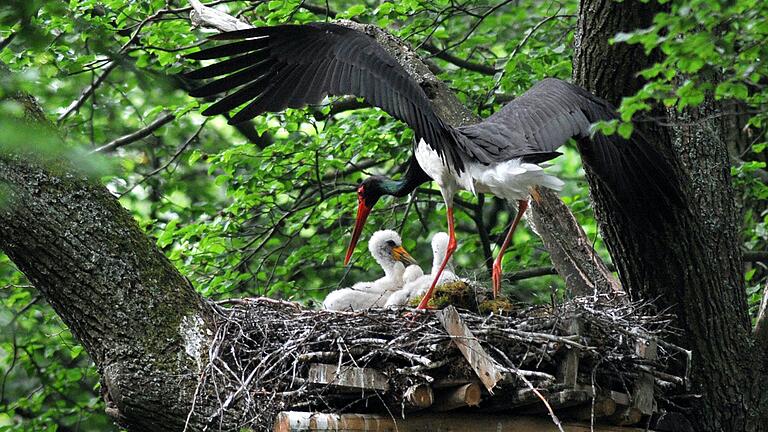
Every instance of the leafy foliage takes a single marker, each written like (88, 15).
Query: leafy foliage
(712, 51)
(265, 208)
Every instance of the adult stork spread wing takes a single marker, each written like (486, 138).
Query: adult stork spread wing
(273, 68)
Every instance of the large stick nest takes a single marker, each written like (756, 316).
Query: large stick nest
(262, 348)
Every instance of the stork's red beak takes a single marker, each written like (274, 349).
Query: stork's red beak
(362, 214)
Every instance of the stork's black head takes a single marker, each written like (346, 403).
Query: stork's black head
(373, 188)
(368, 194)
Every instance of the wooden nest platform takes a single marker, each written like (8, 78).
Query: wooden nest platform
(587, 363)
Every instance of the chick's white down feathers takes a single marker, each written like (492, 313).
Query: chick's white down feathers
(365, 295)
(419, 286)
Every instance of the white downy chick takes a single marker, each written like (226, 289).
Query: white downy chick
(401, 296)
(419, 286)
(386, 248)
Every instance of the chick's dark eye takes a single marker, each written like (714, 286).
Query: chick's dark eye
(391, 243)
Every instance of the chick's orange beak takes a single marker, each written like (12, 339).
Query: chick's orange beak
(400, 254)
(362, 214)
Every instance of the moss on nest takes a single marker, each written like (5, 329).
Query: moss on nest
(467, 296)
(499, 306)
(457, 293)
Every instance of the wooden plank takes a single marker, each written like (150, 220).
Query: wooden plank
(642, 392)
(347, 378)
(462, 396)
(299, 421)
(482, 364)
(508, 402)
(511, 401)
(568, 370)
(568, 398)
(419, 396)
(527, 396)
(618, 397)
(450, 382)
(294, 421)
(559, 400)
(624, 414)
(603, 406)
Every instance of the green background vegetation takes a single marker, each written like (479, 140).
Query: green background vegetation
(273, 218)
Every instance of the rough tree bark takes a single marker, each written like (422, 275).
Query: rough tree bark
(141, 321)
(692, 263)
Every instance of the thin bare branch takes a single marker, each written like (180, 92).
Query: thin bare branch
(173, 158)
(132, 137)
(761, 324)
(465, 64)
(533, 30)
(7, 41)
(77, 103)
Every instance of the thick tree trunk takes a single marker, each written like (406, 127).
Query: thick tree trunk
(691, 263)
(139, 319)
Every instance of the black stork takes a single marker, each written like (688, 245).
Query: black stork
(273, 68)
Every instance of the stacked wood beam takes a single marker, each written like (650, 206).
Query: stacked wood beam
(295, 421)
(491, 398)
(580, 361)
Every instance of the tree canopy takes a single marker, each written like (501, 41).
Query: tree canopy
(264, 208)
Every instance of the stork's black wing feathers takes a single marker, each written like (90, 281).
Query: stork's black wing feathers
(553, 111)
(291, 66)
(540, 120)
(231, 65)
(272, 68)
(227, 83)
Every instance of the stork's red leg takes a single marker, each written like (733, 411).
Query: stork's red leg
(522, 205)
(448, 253)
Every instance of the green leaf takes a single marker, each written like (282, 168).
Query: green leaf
(76, 351)
(734, 90)
(194, 157)
(749, 274)
(167, 235)
(604, 127)
(625, 130)
(355, 10)
(384, 8)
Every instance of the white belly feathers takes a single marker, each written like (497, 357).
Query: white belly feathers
(510, 179)
(432, 164)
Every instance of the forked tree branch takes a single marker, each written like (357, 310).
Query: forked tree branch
(77, 103)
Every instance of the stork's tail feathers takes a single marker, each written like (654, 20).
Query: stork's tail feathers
(639, 177)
